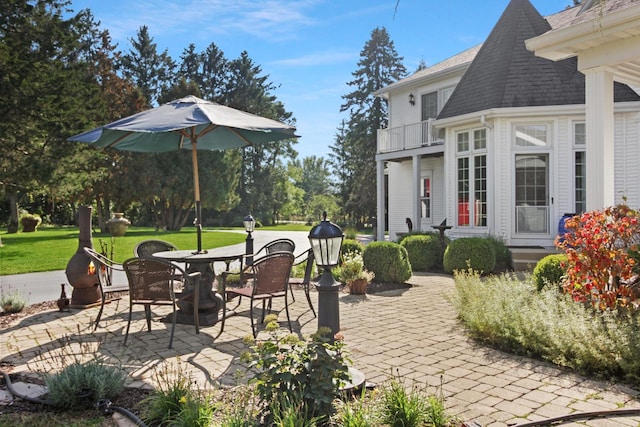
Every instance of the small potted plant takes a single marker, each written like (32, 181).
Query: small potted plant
(30, 222)
(353, 274)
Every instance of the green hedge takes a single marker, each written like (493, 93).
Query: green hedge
(469, 252)
(425, 251)
(549, 270)
(388, 260)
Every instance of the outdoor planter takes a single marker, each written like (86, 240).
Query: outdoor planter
(118, 224)
(29, 224)
(358, 286)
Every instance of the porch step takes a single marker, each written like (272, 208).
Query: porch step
(525, 258)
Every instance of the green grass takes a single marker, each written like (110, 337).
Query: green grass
(50, 248)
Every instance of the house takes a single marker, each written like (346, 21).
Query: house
(495, 140)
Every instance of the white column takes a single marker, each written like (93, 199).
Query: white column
(600, 144)
(380, 209)
(415, 203)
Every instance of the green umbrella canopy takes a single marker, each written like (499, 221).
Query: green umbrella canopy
(188, 123)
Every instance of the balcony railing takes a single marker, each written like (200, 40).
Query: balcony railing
(406, 137)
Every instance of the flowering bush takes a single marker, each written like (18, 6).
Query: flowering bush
(292, 371)
(600, 248)
(352, 268)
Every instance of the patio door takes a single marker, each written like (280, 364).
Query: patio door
(532, 193)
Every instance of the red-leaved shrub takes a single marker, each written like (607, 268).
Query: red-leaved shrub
(599, 247)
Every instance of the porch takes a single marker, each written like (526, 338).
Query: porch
(408, 136)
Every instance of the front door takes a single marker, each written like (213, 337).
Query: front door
(532, 194)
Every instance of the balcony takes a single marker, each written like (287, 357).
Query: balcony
(407, 137)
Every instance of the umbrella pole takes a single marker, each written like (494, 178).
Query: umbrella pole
(196, 184)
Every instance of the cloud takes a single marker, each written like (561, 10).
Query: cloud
(317, 59)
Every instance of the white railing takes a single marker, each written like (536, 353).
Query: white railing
(406, 137)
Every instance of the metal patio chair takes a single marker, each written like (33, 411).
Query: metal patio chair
(151, 282)
(268, 278)
(104, 268)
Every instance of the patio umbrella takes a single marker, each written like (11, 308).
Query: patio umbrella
(188, 123)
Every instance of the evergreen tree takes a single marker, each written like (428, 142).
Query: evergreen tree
(355, 148)
(151, 71)
(46, 92)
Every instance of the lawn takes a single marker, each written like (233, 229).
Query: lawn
(50, 248)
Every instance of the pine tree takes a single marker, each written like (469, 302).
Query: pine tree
(355, 148)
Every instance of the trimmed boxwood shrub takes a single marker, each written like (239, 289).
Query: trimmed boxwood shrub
(504, 258)
(469, 252)
(549, 270)
(388, 260)
(425, 251)
(351, 245)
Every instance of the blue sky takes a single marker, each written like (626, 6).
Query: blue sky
(309, 48)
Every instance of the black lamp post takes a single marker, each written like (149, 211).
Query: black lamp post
(249, 225)
(326, 241)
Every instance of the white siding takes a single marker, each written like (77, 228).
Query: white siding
(400, 198)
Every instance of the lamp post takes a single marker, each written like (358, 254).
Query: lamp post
(249, 225)
(326, 241)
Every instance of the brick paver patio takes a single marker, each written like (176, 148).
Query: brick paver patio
(412, 332)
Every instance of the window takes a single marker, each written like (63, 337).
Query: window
(425, 197)
(429, 105)
(472, 178)
(531, 135)
(580, 159)
(532, 210)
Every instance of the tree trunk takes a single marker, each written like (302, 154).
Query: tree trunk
(13, 211)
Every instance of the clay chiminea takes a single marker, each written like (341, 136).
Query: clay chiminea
(86, 290)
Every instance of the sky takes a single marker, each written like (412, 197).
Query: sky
(309, 48)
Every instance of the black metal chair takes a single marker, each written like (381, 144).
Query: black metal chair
(151, 282)
(308, 258)
(268, 278)
(104, 268)
(278, 245)
(147, 248)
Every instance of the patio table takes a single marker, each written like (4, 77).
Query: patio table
(211, 302)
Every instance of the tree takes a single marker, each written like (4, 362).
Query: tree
(150, 71)
(355, 146)
(46, 92)
(250, 91)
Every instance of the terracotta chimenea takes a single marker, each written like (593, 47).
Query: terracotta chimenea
(85, 283)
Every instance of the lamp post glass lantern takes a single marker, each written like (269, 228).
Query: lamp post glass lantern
(249, 225)
(326, 242)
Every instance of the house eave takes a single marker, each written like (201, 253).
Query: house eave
(385, 92)
(566, 42)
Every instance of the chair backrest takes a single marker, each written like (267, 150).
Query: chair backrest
(308, 270)
(149, 279)
(278, 245)
(147, 248)
(271, 273)
(103, 267)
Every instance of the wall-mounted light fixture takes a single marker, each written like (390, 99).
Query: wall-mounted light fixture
(412, 99)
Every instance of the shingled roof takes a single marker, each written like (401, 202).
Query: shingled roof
(505, 74)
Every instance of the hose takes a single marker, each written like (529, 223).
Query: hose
(582, 416)
(103, 405)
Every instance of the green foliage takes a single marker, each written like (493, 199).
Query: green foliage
(358, 411)
(504, 258)
(389, 262)
(351, 245)
(12, 301)
(402, 407)
(469, 252)
(352, 268)
(425, 251)
(81, 384)
(310, 372)
(512, 315)
(549, 271)
(174, 402)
